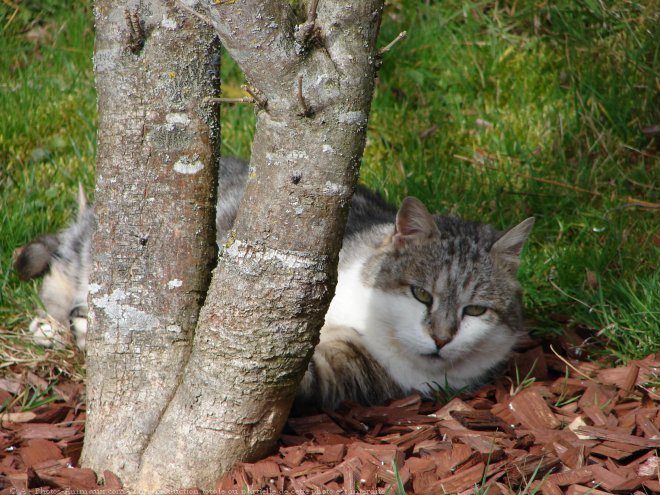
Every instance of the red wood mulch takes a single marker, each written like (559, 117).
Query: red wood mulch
(576, 429)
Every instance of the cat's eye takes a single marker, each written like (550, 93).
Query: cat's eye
(474, 310)
(421, 295)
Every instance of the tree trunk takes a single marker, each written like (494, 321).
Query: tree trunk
(155, 197)
(313, 80)
(273, 284)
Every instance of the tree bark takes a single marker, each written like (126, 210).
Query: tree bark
(269, 293)
(155, 198)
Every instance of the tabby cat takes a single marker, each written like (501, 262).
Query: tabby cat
(420, 299)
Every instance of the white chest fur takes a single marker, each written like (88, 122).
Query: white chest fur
(390, 325)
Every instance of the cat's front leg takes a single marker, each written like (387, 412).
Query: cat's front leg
(342, 369)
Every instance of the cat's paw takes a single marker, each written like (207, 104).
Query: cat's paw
(48, 332)
(79, 329)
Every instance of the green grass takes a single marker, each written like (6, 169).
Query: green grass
(47, 130)
(495, 111)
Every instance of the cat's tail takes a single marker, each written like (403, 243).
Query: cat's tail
(232, 178)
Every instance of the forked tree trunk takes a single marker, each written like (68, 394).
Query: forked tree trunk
(313, 80)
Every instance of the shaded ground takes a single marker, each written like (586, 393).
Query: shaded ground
(555, 425)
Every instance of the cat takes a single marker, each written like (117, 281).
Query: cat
(63, 260)
(421, 300)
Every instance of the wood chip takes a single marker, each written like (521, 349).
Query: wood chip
(607, 434)
(549, 488)
(513, 443)
(646, 425)
(312, 424)
(481, 421)
(46, 431)
(532, 411)
(650, 467)
(529, 467)
(35, 451)
(293, 456)
(453, 405)
(572, 476)
(463, 480)
(653, 485)
(584, 490)
(607, 479)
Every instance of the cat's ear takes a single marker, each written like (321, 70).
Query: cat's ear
(508, 247)
(33, 260)
(413, 222)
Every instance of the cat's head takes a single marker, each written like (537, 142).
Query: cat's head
(452, 287)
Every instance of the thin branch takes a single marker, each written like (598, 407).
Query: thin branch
(566, 294)
(244, 99)
(309, 33)
(402, 35)
(306, 111)
(628, 200)
(529, 177)
(641, 203)
(192, 11)
(259, 99)
(311, 16)
(532, 194)
(641, 184)
(565, 361)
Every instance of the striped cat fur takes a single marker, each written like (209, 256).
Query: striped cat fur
(422, 300)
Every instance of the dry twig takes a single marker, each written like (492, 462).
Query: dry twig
(628, 200)
(402, 35)
(306, 111)
(192, 11)
(231, 101)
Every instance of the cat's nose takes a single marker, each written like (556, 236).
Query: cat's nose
(440, 343)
